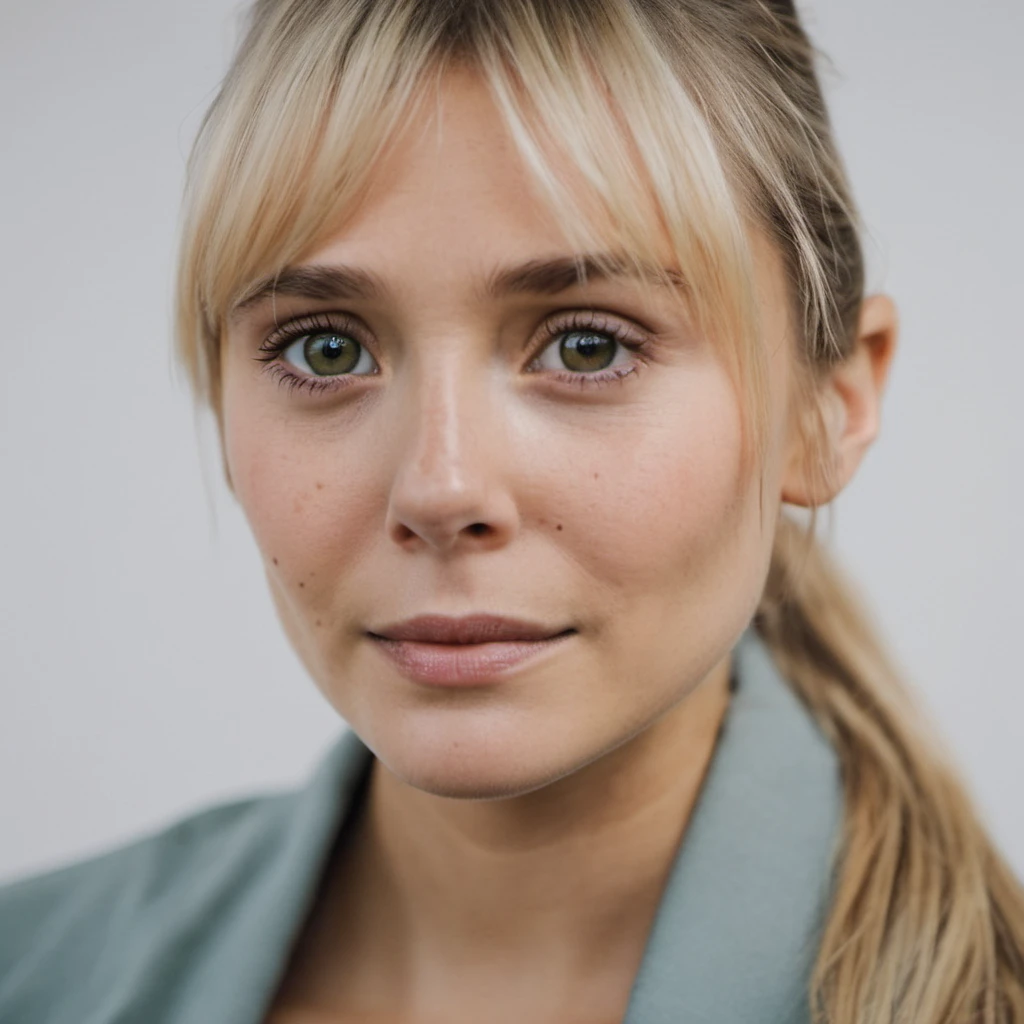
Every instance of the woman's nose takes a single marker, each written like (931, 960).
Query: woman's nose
(450, 485)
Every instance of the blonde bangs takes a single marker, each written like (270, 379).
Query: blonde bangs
(287, 153)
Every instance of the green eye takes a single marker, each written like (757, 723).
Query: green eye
(329, 354)
(585, 351)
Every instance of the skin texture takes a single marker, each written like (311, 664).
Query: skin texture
(464, 476)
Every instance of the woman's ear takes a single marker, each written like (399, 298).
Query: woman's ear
(850, 401)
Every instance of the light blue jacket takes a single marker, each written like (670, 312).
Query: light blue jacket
(195, 924)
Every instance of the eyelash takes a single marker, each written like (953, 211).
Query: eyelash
(274, 347)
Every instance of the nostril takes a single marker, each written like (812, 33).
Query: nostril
(478, 528)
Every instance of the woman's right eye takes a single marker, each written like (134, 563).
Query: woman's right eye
(329, 354)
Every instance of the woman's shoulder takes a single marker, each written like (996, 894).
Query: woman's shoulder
(141, 868)
(64, 922)
(159, 920)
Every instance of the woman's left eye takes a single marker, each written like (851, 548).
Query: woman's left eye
(587, 344)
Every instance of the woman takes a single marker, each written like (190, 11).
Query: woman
(521, 322)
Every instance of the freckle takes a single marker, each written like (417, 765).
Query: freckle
(559, 526)
(302, 584)
(319, 487)
(597, 476)
(276, 562)
(318, 622)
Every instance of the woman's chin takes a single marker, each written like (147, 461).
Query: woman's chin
(476, 764)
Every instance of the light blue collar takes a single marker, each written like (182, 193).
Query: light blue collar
(735, 935)
(738, 928)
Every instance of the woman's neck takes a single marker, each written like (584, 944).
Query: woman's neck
(438, 903)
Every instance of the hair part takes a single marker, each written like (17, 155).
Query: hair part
(691, 120)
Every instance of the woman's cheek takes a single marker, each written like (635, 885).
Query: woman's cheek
(685, 481)
(272, 482)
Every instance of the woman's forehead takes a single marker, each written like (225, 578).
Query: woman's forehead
(452, 183)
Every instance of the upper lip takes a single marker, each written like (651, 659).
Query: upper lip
(469, 629)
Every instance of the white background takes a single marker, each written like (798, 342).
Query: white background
(142, 672)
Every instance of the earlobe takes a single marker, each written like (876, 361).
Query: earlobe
(813, 475)
(826, 459)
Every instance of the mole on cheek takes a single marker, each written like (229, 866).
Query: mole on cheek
(559, 526)
(276, 562)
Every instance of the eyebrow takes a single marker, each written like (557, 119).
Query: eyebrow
(534, 277)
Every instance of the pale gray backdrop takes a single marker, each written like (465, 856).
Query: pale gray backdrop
(143, 673)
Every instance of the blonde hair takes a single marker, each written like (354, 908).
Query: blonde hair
(695, 117)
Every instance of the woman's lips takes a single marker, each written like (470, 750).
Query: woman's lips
(462, 664)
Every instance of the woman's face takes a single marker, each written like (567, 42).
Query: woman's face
(457, 454)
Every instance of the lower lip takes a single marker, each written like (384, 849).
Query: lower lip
(462, 664)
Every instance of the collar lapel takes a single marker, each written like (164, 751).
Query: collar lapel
(736, 933)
